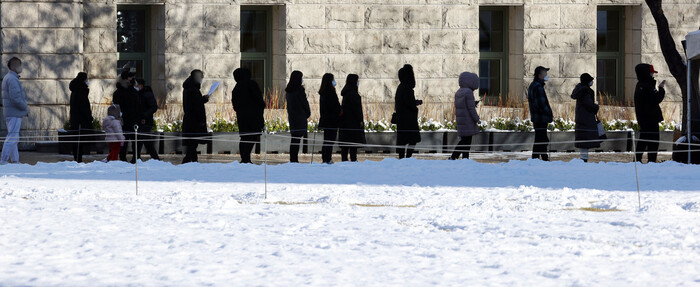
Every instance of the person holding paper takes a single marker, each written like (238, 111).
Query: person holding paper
(194, 121)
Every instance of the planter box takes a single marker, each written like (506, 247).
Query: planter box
(431, 142)
(386, 139)
(617, 141)
(665, 137)
(225, 143)
(65, 144)
(562, 141)
(512, 141)
(171, 143)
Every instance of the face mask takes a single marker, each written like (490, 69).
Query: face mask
(546, 78)
(334, 83)
(136, 88)
(591, 84)
(302, 81)
(358, 83)
(120, 114)
(87, 83)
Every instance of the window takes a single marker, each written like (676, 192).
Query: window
(256, 43)
(493, 54)
(610, 53)
(133, 40)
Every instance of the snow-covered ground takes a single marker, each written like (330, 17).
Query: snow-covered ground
(389, 223)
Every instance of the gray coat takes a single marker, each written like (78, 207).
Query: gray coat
(465, 106)
(14, 100)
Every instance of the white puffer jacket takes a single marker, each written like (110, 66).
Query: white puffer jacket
(113, 129)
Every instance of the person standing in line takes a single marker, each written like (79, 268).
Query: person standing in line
(331, 112)
(406, 108)
(646, 106)
(194, 120)
(465, 111)
(14, 107)
(248, 102)
(298, 112)
(147, 107)
(113, 132)
(586, 109)
(126, 97)
(80, 114)
(540, 113)
(352, 127)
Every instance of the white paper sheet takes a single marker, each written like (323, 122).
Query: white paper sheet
(213, 88)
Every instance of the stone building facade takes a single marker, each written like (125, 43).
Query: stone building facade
(372, 38)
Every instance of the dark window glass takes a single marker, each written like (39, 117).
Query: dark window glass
(607, 77)
(491, 31)
(134, 66)
(257, 69)
(489, 78)
(253, 31)
(131, 31)
(609, 31)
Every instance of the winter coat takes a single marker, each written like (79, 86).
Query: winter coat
(540, 111)
(113, 129)
(80, 111)
(586, 123)
(14, 100)
(647, 99)
(127, 98)
(248, 102)
(352, 127)
(148, 107)
(298, 111)
(465, 105)
(194, 121)
(406, 109)
(330, 110)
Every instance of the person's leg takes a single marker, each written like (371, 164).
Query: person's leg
(113, 151)
(409, 151)
(329, 136)
(344, 153)
(246, 148)
(653, 146)
(353, 154)
(9, 148)
(467, 147)
(76, 147)
(294, 149)
(642, 144)
(125, 148)
(539, 148)
(151, 148)
(190, 153)
(584, 154)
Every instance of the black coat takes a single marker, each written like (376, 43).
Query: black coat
(128, 101)
(149, 106)
(298, 111)
(586, 123)
(330, 110)
(540, 110)
(80, 110)
(647, 99)
(352, 127)
(248, 102)
(408, 131)
(194, 121)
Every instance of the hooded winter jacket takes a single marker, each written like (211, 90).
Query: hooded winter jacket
(465, 105)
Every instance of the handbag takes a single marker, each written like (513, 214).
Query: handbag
(601, 129)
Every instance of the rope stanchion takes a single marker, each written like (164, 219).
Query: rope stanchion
(265, 161)
(636, 173)
(136, 152)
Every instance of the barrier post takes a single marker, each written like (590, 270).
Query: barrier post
(636, 173)
(136, 160)
(265, 161)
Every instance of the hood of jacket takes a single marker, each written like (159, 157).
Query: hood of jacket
(242, 75)
(407, 77)
(77, 85)
(643, 73)
(190, 83)
(468, 80)
(579, 91)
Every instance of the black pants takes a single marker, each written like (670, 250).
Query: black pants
(246, 147)
(294, 148)
(405, 152)
(147, 139)
(648, 142)
(329, 138)
(190, 153)
(344, 151)
(128, 141)
(539, 148)
(462, 148)
(80, 144)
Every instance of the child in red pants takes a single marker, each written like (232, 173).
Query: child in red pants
(112, 125)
